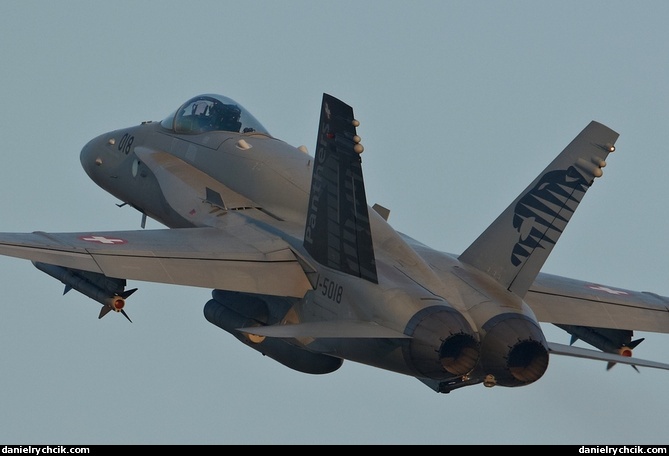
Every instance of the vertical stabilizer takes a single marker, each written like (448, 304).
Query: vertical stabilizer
(337, 232)
(514, 248)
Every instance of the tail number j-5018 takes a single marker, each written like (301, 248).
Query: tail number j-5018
(330, 289)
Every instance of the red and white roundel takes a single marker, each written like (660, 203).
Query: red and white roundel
(103, 239)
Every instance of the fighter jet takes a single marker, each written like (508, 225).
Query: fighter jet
(303, 270)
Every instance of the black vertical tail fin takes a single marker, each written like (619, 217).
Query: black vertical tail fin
(337, 232)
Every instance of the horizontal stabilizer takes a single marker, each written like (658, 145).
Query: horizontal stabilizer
(343, 329)
(577, 352)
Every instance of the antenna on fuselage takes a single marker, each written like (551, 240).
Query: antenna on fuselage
(143, 224)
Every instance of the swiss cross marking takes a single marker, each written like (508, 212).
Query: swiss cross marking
(103, 239)
(607, 290)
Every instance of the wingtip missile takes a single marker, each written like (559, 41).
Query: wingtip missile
(74, 279)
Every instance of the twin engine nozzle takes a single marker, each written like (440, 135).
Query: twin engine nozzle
(509, 349)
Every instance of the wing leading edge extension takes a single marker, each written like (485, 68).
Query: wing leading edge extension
(514, 248)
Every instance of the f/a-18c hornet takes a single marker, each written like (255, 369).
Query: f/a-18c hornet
(304, 271)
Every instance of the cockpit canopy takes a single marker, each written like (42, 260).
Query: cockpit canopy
(212, 112)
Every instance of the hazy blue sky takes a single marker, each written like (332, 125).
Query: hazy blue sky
(461, 103)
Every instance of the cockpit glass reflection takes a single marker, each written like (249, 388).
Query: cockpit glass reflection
(212, 113)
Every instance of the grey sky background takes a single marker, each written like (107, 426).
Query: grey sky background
(461, 103)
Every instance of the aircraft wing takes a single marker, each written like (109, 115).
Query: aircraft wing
(560, 300)
(240, 257)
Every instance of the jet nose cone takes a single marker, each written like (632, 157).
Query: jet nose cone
(91, 155)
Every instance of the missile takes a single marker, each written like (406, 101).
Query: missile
(616, 341)
(92, 285)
